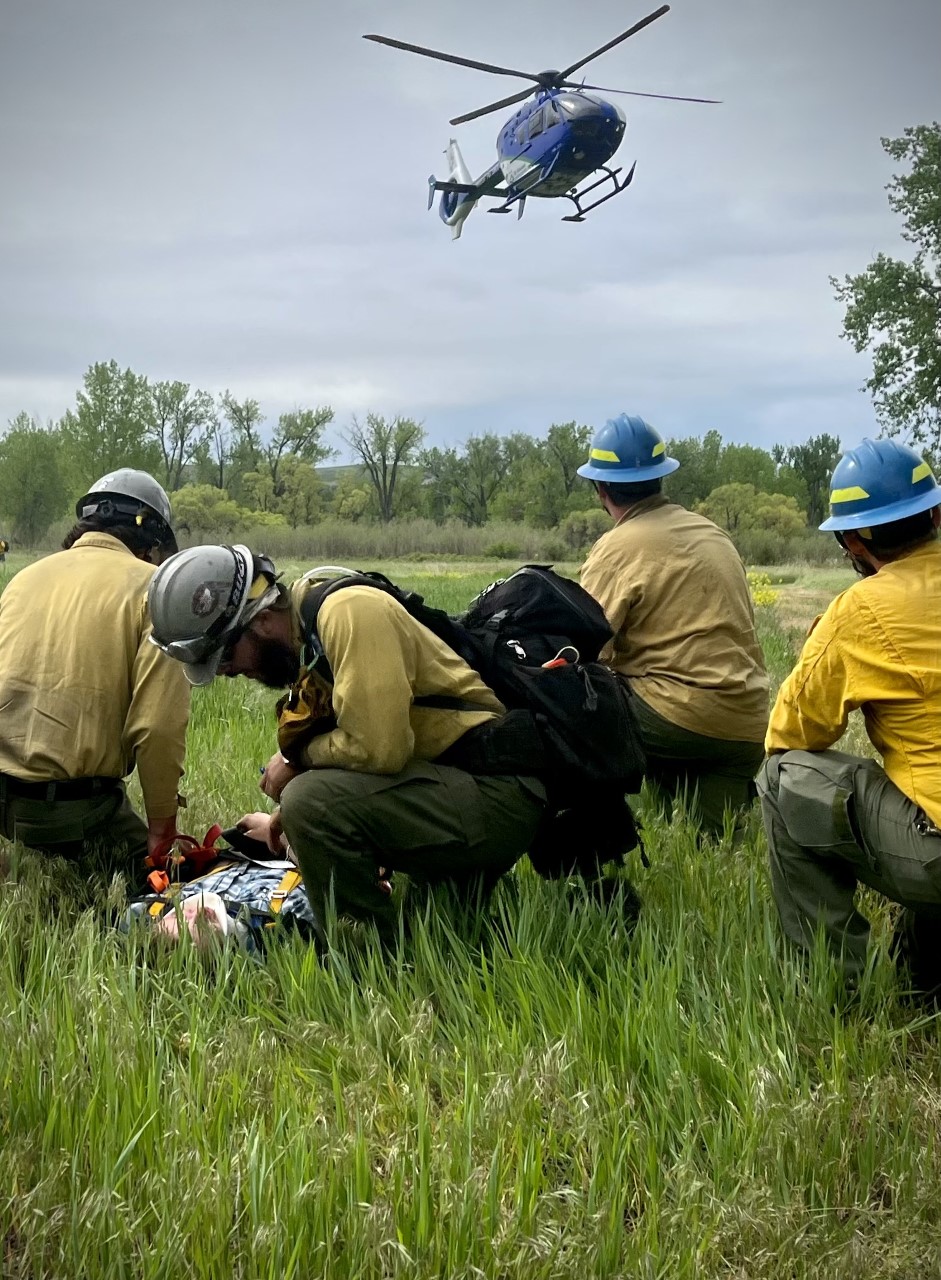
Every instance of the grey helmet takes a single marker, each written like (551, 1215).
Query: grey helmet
(136, 486)
(131, 494)
(202, 599)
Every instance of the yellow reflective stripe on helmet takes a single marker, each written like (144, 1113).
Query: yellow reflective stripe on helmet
(658, 449)
(604, 455)
(920, 472)
(848, 495)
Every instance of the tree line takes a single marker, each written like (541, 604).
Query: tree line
(228, 469)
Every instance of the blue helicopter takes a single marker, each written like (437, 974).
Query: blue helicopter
(557, 140)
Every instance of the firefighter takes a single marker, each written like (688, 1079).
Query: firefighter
(85, 697)
(371, 792)
(675, 593)
(834, 820)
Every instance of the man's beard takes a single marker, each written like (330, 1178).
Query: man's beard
(276, 663)
(861, 567)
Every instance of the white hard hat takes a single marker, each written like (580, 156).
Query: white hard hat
(201, 599)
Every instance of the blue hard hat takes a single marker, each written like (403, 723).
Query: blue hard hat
(627, 450)
(878, 482)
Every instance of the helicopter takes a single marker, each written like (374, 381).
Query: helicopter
(561, 137)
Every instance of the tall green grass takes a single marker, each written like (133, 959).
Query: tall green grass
(549, 1091)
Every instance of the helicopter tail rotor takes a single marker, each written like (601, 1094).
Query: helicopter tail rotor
(458, 195)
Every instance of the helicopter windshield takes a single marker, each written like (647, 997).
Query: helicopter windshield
(576, 105)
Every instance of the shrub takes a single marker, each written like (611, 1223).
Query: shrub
(762, 592)
(502, 551)
(580, 529)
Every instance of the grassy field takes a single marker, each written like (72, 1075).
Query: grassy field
(550, 1093)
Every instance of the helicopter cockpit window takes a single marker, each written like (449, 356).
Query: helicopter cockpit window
(552, 114)
(536, 123)
(521, 135)
(574, 105)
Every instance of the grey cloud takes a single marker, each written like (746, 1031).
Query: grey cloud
(234, 194)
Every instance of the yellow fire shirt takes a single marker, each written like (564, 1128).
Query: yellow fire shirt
(674, 590)
(83, 693)
(381, 659)
(877, 648)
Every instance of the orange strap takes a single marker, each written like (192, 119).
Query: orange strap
(183, 855)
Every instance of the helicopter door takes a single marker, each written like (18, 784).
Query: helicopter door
(536, 123)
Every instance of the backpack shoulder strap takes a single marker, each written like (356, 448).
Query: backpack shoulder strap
(436, 620)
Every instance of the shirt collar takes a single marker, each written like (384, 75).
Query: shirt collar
(106, 541)
(653, 503)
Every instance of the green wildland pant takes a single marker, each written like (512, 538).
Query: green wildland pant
(833, 821)
(432, 822)
(68, 828)
(714, 775)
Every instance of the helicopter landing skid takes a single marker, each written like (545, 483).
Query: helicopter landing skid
(517, 202)
(577, 197)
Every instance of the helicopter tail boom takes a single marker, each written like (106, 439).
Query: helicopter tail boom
(459, 195)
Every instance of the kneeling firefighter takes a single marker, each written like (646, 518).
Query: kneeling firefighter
(835, 820)
(84, 696)
(361, 776)
(674, 590)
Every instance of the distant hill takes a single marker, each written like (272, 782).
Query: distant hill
(333, 475)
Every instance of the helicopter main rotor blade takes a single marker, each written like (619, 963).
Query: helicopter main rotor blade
(452, 57)
(494, 106)
(631, 31)
(636, 93)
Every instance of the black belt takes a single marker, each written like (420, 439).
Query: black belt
(56, 789)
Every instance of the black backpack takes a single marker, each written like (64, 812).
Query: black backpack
(534, 639)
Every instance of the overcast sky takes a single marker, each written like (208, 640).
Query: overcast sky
(232, 193)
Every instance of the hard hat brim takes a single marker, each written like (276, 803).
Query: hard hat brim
(884, 515)
(628, 475)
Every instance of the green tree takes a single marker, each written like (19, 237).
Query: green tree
(112, 425)
(894, 306)
(205, 510)
(298, 435)
(747, 464)
(739, 507)
(533, 492)
(580, 529)
(813, 463)
(350, 500)
(531, 489)
(465, 484)
(257, 490)
(567, 446)
(33, 491)
(244, 418)
(183, 424)
(301, 493)
(384, 449)
(699, 461)
(439, 466)
(212, 458)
